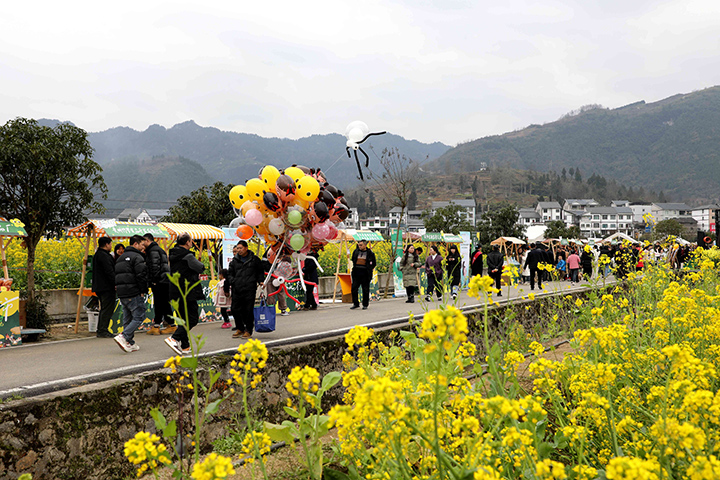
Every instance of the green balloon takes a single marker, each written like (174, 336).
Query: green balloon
(294, 217)
(297, 241)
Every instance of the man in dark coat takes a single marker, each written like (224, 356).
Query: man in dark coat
(534, 257)
(103, 285)
(246, 273)
(158, 268)
(132, 286)
(363, 260)
(183, 261)
(495, 261)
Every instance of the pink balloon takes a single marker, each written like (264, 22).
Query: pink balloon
(253, 218)
(320, 231)
(332, 231)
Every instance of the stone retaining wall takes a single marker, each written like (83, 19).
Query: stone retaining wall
(80, 433)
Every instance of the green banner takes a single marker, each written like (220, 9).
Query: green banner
(124, 230)
(10, 319)
(432, 237)
(367, 235)
(9, 229)
(206, 309)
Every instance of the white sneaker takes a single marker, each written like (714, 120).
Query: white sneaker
(285, 313)
(174, 345)
(122, 343)
(134, 348)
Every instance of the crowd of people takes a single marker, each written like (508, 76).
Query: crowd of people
(129, 273)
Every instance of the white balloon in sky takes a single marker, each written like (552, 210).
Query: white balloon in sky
(355, 132)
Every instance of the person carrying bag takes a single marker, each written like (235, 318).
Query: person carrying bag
(264, 316)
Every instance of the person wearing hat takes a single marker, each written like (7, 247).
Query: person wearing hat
(363, 260)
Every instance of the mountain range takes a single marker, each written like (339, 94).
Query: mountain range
(670, 146)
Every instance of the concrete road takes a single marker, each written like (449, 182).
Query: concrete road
(33, 369)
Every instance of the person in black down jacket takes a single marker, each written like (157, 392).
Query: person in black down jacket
(364, 262)
(586, 260)
(158, 268)
(132, 286)
(183, 262)
(103, 285)
(495, 261)
(246, 272)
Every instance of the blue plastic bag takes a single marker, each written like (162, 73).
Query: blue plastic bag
(264, 317)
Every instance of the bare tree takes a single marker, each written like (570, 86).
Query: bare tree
(396, 185)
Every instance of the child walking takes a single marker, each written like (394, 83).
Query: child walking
(221, 300)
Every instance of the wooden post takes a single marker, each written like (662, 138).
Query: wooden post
(3, 254)
(212, 260)
(337, 269)
(89, 236)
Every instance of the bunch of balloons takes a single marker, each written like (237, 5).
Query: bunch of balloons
(293, 210)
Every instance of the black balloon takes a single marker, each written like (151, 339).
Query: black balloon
(271, 201)
(341, 211)
(305, 169)
(327, 198)
(321, 211)
(344, 202)
(337, 193)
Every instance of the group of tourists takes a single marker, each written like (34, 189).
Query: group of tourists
(131, 272)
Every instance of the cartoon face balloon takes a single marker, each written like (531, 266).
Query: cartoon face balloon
(255, 189)
(269, 176)
(285, 188)
(238, 195)
(295, 173)
(271, 201)
(308, 189)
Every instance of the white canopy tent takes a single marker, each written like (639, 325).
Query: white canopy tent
(619, 237)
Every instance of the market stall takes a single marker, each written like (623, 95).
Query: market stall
(91, 230)
(343, 279)
(510, 246)
(205, 238)
(10, 329)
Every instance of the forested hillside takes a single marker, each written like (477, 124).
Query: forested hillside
(672, 145)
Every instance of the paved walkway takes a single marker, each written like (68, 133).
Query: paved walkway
(34, 369)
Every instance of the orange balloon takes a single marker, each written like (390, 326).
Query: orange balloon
(245, 232)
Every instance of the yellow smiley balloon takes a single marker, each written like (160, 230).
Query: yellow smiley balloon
(308, 189)
(238, 195)
(294, 173)
(255, 189)
(269, 176)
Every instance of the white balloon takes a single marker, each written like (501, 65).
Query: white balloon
(355, 132)
(276, 226)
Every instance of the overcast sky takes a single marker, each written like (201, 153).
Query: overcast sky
(431, 70)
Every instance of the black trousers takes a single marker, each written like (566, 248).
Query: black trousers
(107, 307)
(161, 304)
(360, 278)
(310, 296)
(242, 312)
(535, 271)
(410, 292)
(497, 277)
(434, 283)
(191, 317)
(224, 314)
